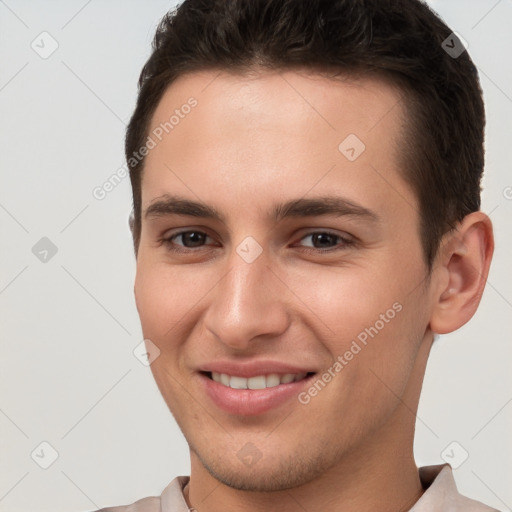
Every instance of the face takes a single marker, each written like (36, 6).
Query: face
(280, 251)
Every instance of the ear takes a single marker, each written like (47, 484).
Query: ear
(131, 221)
(462, 267)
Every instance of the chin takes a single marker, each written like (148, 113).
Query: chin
(272, 475)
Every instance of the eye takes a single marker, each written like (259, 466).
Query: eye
(189, 240)
(317, 241)
(325, 241)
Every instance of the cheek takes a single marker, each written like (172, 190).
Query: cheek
(389, 343)
(165, 296)
(373, 323)
(348, 301)
(165, 303)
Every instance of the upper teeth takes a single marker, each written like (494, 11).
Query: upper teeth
(258, 382)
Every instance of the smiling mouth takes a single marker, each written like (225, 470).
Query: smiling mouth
(258, 381)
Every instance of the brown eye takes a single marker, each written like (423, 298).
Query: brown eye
(192, 238)
(326, 241)
(323, 240)
(186, 240)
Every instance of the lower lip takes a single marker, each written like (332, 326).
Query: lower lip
(251, 402)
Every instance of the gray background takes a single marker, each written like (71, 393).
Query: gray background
(69, 324)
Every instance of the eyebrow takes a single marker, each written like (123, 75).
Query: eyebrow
(337, 206)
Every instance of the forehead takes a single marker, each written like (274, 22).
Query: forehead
(297, 99)
(280, 133)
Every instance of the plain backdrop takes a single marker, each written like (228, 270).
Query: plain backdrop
(69, 378)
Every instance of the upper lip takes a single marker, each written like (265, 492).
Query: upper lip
(253, 368)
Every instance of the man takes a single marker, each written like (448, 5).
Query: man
(306, 186)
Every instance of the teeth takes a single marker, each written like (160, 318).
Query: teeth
(224, 379)
(258, 382)
(272, 380)
(237, 383)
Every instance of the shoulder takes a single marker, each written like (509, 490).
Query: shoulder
(149, 504)
(470, 505)
(171, 500)
(441, 493)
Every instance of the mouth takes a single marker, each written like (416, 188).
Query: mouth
(255, 395)
(258, 381)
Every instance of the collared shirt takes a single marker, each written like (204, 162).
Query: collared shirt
(440, 495)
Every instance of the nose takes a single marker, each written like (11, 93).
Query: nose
(246, 304)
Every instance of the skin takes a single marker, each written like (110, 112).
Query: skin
(251, 142)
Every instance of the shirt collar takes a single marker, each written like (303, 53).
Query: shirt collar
(172, 499)
(437, 481)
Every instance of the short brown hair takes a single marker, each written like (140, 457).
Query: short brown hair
(400, 40)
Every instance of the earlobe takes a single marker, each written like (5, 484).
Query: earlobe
(131, 221)
(464, 260)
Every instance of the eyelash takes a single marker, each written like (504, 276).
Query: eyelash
(345, 241)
